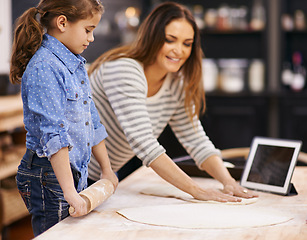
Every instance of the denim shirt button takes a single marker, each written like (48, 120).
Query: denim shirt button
(87, 123)
(77, 95)
(85, 102)
(61, 125)
(82, 82)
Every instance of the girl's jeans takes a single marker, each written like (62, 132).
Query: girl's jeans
(41, 192)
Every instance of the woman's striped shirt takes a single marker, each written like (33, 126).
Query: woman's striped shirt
(134, 121)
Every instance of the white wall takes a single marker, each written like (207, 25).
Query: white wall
(5, 35)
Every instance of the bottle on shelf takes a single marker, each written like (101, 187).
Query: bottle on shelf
(258, 18)
(256, 76)
(299, 72)
(210, 74)
(223, 17)
(299, 20)
(198, 12)
(286, 75)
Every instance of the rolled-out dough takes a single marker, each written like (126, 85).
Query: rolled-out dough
(205, 216)
(167, 190)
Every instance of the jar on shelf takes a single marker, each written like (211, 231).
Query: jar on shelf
(232, 74)
(210, 18)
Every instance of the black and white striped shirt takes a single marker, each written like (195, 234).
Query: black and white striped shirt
(134, 121)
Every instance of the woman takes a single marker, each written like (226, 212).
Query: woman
(139, 89)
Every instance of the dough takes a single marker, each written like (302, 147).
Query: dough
(205, 216)
(167, 190)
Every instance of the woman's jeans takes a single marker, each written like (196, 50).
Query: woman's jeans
(41, 192)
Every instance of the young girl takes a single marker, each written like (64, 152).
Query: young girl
(62, 124)
(155, 81)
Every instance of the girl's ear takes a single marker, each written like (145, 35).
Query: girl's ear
(61, 23)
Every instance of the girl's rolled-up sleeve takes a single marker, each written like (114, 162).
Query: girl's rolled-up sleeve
(46, 100)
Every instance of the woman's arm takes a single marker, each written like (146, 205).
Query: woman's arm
(61, 167)
(101, 155)
(170, 172)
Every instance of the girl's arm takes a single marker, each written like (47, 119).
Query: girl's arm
(170, 172)
(101, 155)
(61, 167)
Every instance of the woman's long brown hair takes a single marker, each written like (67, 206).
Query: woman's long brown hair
(150, 39)
(32, 24)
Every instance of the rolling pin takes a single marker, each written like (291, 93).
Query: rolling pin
(95, 194)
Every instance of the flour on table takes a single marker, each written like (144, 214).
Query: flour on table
(205, 216)
(167, 190)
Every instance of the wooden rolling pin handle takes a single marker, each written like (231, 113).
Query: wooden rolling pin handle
(71, 210)
(95, 194)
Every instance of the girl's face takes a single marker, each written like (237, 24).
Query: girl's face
(78, 35)
(179, 37)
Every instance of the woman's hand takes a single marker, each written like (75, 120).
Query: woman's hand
(233, 188)
(170, 172)
(215, 167)
(214, 195)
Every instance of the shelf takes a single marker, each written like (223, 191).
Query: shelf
(13, 206)
(230, 32)
(296, 31)
(11, 112)
(8, 165)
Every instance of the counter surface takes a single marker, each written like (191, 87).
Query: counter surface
(105, 223)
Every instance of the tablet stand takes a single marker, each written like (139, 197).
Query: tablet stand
(291, 190)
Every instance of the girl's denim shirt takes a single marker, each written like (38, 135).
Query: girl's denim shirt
(58, 108)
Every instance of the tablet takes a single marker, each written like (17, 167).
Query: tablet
(270, 164)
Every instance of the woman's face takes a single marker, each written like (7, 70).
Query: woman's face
(179, 37)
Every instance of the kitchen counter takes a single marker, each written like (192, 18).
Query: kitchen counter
(104, 223)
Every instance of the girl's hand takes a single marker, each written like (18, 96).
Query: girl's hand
(77, 203)
(110, 175)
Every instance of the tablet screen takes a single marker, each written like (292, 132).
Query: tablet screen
(271, 165)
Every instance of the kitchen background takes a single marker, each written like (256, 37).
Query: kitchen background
(254, 70)
(254, 66)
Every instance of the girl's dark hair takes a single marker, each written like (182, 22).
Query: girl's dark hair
(149, 41)
(31, 25)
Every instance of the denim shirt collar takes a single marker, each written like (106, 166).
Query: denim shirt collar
(70, 60)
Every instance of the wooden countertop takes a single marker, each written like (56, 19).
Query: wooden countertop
(104, 223)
